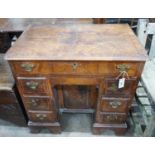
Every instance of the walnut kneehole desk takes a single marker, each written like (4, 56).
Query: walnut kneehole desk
(77, 69)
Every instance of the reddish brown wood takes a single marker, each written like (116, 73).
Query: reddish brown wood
(42, 116)
(114, 104)
(99, 20)
(83, 42)
(11, 108)
(39, 103)
(78, 67)
(83, 67)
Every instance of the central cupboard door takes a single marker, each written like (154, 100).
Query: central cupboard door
(75, 92)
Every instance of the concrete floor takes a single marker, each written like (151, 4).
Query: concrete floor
(148, 77)
(73, 125)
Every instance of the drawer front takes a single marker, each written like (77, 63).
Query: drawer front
(42, 116)
(111, 87)
(33, 86)
(112, 118)
(27, 67)
(75, 67)
(39, 103)
(35, 67)
(114, 105)
(115, 68)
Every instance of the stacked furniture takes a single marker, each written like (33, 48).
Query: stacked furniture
(11, 109)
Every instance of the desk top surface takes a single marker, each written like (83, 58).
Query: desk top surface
(88, 42)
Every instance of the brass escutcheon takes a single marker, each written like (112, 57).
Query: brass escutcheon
(74, 66)
(28, 66)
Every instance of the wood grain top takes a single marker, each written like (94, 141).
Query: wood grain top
(85, 42)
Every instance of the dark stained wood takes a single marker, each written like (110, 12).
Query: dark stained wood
(111, 87)
(34, 86)
(112, 118)
(83, 93)
(99, 20)
(78, 67)
(11, 108)
(39, 103)
(114, 104)
(5, 42)
(48, 116)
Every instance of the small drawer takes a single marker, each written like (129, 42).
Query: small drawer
(131, 68)
(39, 103)
(43, 116)
(112, 117)
(114, 104)
(111, 87)
(27, 67)
(33, 86)
(75, 67)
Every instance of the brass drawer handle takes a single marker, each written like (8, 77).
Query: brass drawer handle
(123, 68)
(112, 118)
(33, 103)
(41, 116)
(115, 104)
(74, 66)
(32, 85)
(28, 66)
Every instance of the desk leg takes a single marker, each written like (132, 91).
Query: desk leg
(35, 127)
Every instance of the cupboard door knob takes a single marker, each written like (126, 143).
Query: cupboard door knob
(115, 104)
(32, 85)
(27, 66)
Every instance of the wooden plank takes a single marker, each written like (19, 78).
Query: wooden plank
(60, 96)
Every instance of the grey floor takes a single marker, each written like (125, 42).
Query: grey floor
(73, 125)
(148, 77)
